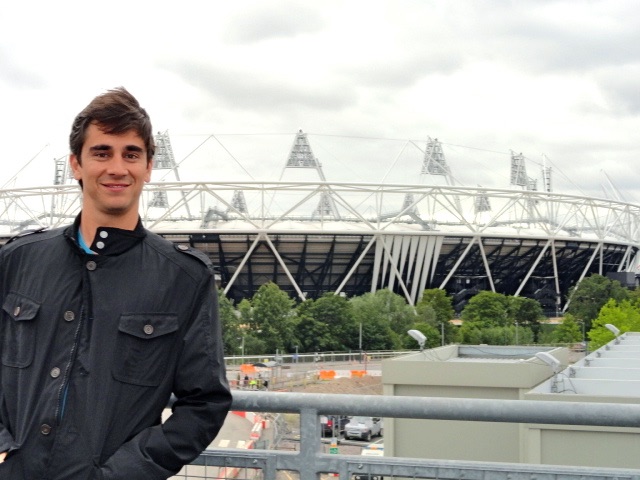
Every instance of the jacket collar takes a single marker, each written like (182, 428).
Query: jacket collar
(109, 240)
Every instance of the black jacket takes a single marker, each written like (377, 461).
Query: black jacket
(91, 348)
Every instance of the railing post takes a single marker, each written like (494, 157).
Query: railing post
(309, 443)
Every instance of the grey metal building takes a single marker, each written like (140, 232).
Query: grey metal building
(607, 377)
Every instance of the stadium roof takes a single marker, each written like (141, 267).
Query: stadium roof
(316, 236)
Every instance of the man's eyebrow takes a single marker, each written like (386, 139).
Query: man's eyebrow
(104, 147)
(100, 147)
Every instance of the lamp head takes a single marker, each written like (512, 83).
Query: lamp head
(613, 329)
(419, 337)
(550, 360)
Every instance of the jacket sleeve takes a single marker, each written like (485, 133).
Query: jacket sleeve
(198, 413)
(7, 442)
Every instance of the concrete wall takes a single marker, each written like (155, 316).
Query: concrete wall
(442, 373)
(580, 445)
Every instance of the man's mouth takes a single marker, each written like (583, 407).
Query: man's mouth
(115, 186)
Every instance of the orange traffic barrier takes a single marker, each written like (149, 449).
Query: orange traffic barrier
(247, 368)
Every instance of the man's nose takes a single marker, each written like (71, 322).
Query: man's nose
(117, 165)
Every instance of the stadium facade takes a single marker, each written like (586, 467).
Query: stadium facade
(312, 237)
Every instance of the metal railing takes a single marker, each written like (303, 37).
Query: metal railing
(293, 359)
(310, 463)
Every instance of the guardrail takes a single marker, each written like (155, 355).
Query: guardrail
(309, 463)
(293, 359)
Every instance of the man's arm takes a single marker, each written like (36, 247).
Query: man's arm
(203, 400)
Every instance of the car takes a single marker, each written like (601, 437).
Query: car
(363, 428)
(333, 424)
(579, 347)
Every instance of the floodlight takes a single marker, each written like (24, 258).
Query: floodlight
(550, 360)
(613, 329)
(419, 337)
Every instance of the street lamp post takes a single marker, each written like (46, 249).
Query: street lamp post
(360, 342)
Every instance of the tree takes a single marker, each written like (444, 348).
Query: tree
(394, 307)
(506, 335)
(314, 336)
(498, 319)
(487, 309)
(589, 296)
(385, 318)
(336, 312)
(272, 318)
(525, 312)
(569, 331)
(245, 312)
(428, 330)
(634, 296)
(471, 334)
(624, 315)
(230, 324)
(435, 307)
(439, 301)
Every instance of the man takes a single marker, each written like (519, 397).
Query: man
(102, 320)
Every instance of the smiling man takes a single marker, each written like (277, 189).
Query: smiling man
(102, 321)
(112, 169)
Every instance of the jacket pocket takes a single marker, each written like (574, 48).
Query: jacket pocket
(19, 332)
(144, 346)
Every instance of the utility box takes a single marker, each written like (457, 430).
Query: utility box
(462, 371)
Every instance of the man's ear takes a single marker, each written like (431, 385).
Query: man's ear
(147, 177)
(76, 167)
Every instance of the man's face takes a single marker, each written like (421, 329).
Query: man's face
(113, 170)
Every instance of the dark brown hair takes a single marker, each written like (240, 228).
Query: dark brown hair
(115, 112)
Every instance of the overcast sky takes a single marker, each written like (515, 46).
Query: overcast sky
(369, 81)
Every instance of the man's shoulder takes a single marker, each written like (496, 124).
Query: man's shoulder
(183, 254)
(29, 237)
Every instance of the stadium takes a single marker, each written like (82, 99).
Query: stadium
(310, 235)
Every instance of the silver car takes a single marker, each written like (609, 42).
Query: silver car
(363, 428)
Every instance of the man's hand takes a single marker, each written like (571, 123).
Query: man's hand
(2, 455)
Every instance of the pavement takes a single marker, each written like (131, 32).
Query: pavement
(235, 433)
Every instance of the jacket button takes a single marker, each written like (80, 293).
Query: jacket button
(148, 329)
(16, 311)
(55, 372)
(69, 316)
(91, 265)
(45, 429)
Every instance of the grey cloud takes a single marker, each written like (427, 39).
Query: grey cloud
(549, 43)
(575, 52)
(532, 35)
(269, 21)
(251, 90)
(403, 71)
(15, 75)
(620, 87)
